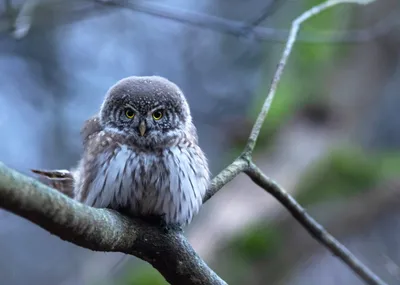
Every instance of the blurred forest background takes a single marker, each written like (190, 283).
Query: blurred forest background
(332, 137)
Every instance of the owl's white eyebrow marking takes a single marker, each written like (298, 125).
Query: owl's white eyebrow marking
(157, 108)
(130, 106)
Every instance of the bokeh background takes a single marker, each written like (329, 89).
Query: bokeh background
(332, 137)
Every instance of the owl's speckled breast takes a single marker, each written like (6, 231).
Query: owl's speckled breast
(172, 182)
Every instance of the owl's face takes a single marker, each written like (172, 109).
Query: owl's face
(151, 111)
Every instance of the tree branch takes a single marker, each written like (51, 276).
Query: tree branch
(299, 213)
(238, 29)
(312, 226)
(282, 63)
(103, 230)
(170, 253)
(225, 176)
(213, 23)
(269, 10)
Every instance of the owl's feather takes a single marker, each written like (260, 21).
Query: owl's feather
(63, 179)
(59, 179)
(170, 183)
(90, 127)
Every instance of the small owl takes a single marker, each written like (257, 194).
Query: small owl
(141, 154)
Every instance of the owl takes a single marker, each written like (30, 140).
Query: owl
(140, 154)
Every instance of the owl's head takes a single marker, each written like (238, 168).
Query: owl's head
(150, 110)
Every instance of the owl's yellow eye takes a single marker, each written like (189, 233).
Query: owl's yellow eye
(157, 115)
(129, 113)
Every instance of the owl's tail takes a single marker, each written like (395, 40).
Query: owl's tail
(59, 179)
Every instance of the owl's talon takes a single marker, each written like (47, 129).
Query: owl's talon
(153, 219)
(167, 228)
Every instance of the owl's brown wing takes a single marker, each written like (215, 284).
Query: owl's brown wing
(90, 128)
(61, 179)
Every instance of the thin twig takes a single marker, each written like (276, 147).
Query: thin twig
(225, 176)
(312, 226)
(282, 63)
(299, 213)
(269, 10)
(225, 26)
(235, 28)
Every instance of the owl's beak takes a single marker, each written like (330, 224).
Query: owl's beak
(142, 128)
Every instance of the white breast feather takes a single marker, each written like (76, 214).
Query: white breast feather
(175, 187)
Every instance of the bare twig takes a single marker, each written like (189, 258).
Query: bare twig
(281, 65)
(235, 28)
(225, 176)
(312, 226)
(299, 213)
(221, 25)
(169, 253)
(269, 10)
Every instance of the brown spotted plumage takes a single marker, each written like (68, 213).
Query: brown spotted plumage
(140, 154)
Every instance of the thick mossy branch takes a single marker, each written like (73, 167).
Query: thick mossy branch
(62, 216)
(103, 230)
